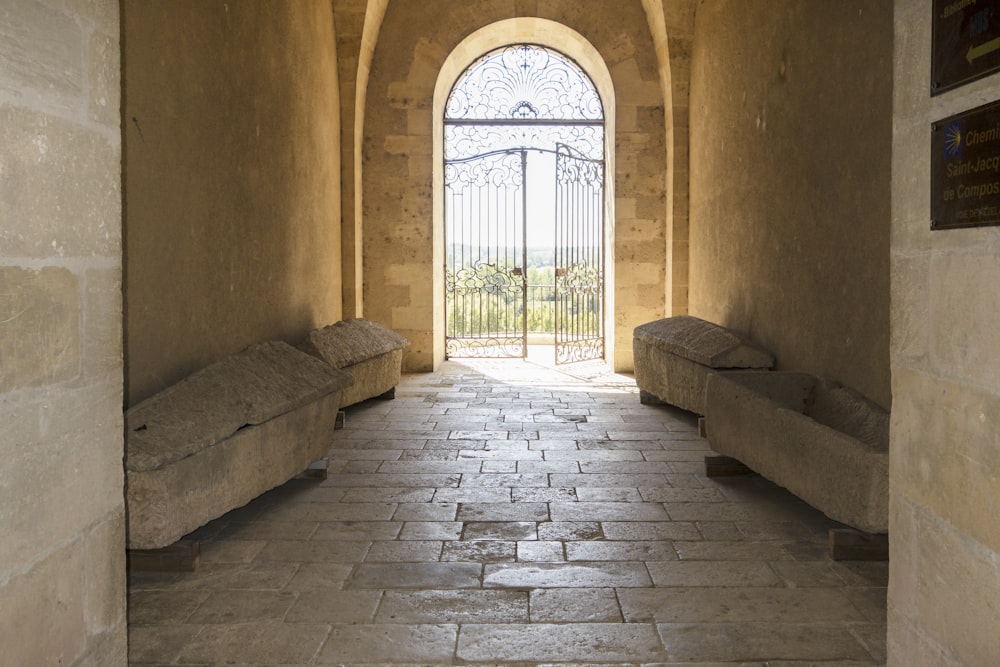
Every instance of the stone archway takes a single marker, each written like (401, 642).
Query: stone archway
(419, 51)
(568, 43)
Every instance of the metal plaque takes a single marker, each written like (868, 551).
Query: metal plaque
(965, 169)
(966, 42)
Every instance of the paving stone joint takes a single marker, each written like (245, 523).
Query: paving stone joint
(462, 523)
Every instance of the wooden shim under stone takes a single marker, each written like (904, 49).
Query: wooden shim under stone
(852, 544)
(649, 399)
(341, 420)
(181, 556)
(389, 395)
(317, 470)
(725, 466)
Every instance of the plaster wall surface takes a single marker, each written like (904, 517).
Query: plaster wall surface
(62, 565)
(944, 589)
(232, 180)
(399, 227)
(790, 173)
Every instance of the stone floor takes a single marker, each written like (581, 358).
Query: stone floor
(505, 512)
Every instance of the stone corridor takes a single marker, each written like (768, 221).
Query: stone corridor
(507, 512)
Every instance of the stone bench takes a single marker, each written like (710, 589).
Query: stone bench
(822, 441)
(674, 356)
(223, 436)
(367, 351)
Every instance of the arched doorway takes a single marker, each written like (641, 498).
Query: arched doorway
(524, 207)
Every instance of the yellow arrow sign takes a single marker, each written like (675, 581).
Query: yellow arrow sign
(983, 49)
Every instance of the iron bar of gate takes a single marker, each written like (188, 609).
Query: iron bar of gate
(524, 251)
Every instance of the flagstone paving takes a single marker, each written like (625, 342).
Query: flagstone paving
(507, 512)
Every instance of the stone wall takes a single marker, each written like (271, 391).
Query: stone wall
(62, 544)
(945, 432)
(790, 174)
(401, 289)
(232, 180)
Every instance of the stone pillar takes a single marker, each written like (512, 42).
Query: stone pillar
(62, 568)
(944, 537)
(671, 24)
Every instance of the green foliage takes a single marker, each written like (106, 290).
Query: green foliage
(542, 276)
(485, 303)
(540, 257)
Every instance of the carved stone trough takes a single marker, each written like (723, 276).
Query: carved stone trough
(822, 441)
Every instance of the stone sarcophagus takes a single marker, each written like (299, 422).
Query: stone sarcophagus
(224, 435)
(674, 356)
(367, 351)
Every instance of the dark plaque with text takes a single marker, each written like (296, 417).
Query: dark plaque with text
(965, 169)
(966, 42)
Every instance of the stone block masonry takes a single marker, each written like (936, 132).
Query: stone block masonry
(62, 569)
(944, 537)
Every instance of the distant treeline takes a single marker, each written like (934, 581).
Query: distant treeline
(536, 257)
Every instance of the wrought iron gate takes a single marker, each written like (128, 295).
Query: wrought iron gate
(486, 217)
(484, 274)
(579, 243)
(514, 101)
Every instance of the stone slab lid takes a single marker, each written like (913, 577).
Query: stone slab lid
(352, 341)
(703, 342)
(248, 388)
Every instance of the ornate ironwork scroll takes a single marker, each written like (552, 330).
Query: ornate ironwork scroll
(464, 141)
(486, 311)
(523, 96)
(524, 82)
